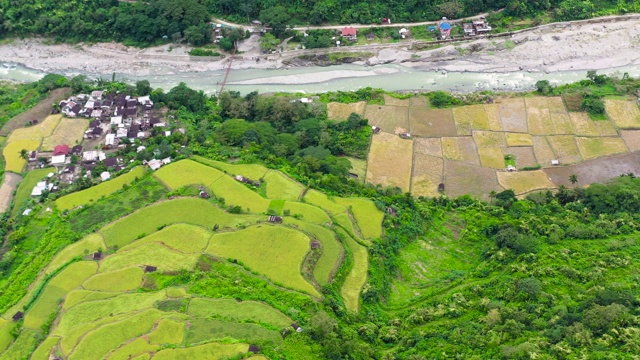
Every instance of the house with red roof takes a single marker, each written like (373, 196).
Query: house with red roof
(350, 33)
(61, 150)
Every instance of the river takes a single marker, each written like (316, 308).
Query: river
(341, 77)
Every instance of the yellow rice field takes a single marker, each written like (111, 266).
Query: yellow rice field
(625, 114)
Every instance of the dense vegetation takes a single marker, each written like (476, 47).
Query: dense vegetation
(16, 98)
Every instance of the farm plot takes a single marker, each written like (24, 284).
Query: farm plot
(6, 190)
(184, 238)
(547, 115)
(519, 139)
(565, 148)
(356, 278)
(493, 117)
(211, 351)
(393, 101)
(26, 185)
(187, 172)
(89, 244)
(235, 193)
(39, 111)
(419, 101)
(522, 182)
(430, 146)
(117, 281)
(491, 157)
(513, 115)
(164, 258)
(583, 125)
(274, 251)
(597, 170)
(185, 210)
(167, 332)
(252, 171)
(79, 296)
(542, 150)
(450, 149)
(36, 132)
(593, 147)
(471, 117)
(631, 138)
(573, 101)
(339, 111)
(391, 119)
(390, 161)
(489, 139)
(624, 113)
(461, 179)
(358, 167)
(427, 175)
(68, 131)
(562, 123)
(366, 214)
(280, 186)
(319, 199)
(524, 155)
(230, 309)
(432, 123)
(461, 148)
(44, 350)
(11, 153)
(307, 212)
(133, 349)
(103, 189)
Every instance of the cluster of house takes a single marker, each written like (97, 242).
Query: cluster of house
(245, 180)
(473, 28)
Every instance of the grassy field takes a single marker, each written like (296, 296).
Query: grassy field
(79, 296)
(88, 245)
(491, 157)
(390, 100)
(184, 210)
(366, 214)
(321, 200)
(117, 281)
(517, 139)
(391, 119)
(68, 131)
(593, 147)
(624, 113)
(307, 212)
(99, 191)
(522, 182)
(358, 167)
(184, 238)
(471, 117)
(340, 112)
(280, 186)
(26, 185)
(274, 251)
(431, 146)
(427, 175)
(134, 348)
(187, 172)
(235, 193)
(419, 101)
(389, 161)
(252, 171)
(432, 122)
(152, 254)
(231, 310)
(11, 153)
(345, 221)
(493, 117)
(37, 132)
(167, 332)
(513, 115)
(211, 351)
(356, 278)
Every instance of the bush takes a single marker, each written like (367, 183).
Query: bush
(203, 52)
(441, 99)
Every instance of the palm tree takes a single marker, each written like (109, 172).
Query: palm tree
(492, 195)
(573, 178)
(24, 154)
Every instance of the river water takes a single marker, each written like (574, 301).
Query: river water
(341, 77)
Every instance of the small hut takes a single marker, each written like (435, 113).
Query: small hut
(376, 130)
(391, 211)
(275, 219)
(97, 255)
(315, 244)
(18, 316)
(254, 349)
(296, 327)
(150, 268)
(441, 187)
(405, 136)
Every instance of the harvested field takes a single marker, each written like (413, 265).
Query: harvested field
(103, 189)
(274, 251)
(562, 123)
(167, 332)
(252, 171)
(573, 101)
(468, 150)
(519, 139)
(184, 238)
(165, 258)
(513, 115)
(210, 351)
(390, 100)
(357, 277)
(390, 161)
(583, 125)
(450, 148)
(624, 113)
(597, 170)
(593, 147)
(26, 185)
(307, 212)
(340, 112)
(489, 139)
(9, 184)
(11, 153)
(522, 182)
(419, 101)
(631, 138)
(565, 148)
(391, 119)
(89, 244)
(470, 117)
(231, 310)
(36, 132)
(118, 281)
(427, 175)
(543, 151)
(461, 179)
(280, 186)
(68, 131)
(358, 167)
(493, 117)
(524, 156)
(188, 172)
(430, 146)
(432, 123)
(491, 157)
(319, 199)
(38, 112)
(368, 217)
(539, 121)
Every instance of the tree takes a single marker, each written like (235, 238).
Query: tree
(24, 154)
(198, 35)
(543, 86)
(593, 105)
(573, 178)
(143, 88)
(277, 18)
(451, 9)
(268, 42)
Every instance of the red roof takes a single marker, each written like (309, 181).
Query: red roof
(61, 150)
(349, 31)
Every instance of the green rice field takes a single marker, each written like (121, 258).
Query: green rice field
(357, 277)
(231, 310)
(315, 197)
(366, 214)
(120, 280)
(187, 172)
(86, 246)
(237, 194)
(167, 332)
(164, 258)
(26, 185)
(184, 238)
(251, 171)
(280, 186)
(211, 351)
(139, 346)
(307, 212)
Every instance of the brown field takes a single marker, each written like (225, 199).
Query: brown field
(338, 111)
(543, 151)
(390, 100)
(471, 117)
(519, 139)
(430, 146)
(624, 113)
(68, 131)
(573, 102)
(593, 147)
(468, 150)
(522, 182)
(493, 117)
(596, 170)
(427, 175)
(37, 132)
(419, 101)
(432, 123)
(461, 179)
(631, 138)
(524, 155)
(489, 139)
(565, 148)
(539, 121)
(391, 119)
(491, 157)
(450, 148)
(562, 123)
(38, 112)
(513, 115)
(390, 159)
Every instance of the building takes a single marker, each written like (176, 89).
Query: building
(476, 27)
(350, 33)
(58, 160)
(445, 29)
(61, 150)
